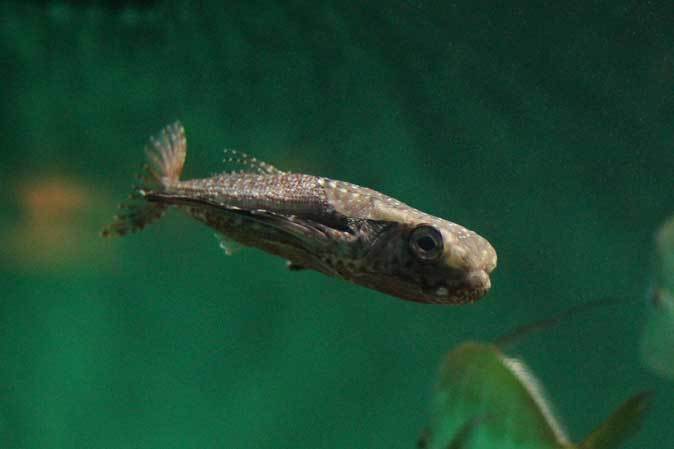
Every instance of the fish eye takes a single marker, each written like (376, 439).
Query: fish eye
(426, 243)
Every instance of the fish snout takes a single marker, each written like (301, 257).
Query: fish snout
(472, 286)
(477, 280)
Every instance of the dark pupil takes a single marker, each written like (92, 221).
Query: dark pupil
(426, 243)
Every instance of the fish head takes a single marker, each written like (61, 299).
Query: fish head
(431, 261)
(409, 253)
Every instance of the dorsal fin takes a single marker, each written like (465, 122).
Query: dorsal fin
(249, 163)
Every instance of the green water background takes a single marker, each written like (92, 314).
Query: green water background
(547, 127)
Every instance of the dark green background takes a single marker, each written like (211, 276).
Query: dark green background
(548, 127)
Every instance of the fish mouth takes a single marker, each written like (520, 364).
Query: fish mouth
(462, 296)
(462, 289)
(478, 280)
(471, 287)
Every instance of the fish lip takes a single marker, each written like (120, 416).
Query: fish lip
(458, 290)
(478, 280)
(470, 296)
(460, 297)
(455, 296)
(472, 287)
(475, 295)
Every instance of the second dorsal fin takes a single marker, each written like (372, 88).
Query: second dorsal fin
(248, 163)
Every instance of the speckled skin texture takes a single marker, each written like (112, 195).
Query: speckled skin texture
(334, 227)
(339, 229)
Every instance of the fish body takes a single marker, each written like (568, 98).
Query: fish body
(485, 399)
(657, 342)
(334, 227)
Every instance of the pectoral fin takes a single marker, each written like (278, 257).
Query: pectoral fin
(227, 245)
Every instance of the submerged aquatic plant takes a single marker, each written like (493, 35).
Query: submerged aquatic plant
(657, 343)
(486, 399)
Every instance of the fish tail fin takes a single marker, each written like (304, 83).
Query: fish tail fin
(166, 155)
(624, 422)
(165, 160)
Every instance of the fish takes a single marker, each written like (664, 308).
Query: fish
(333, 227)
(657, 340)
(485, 399)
